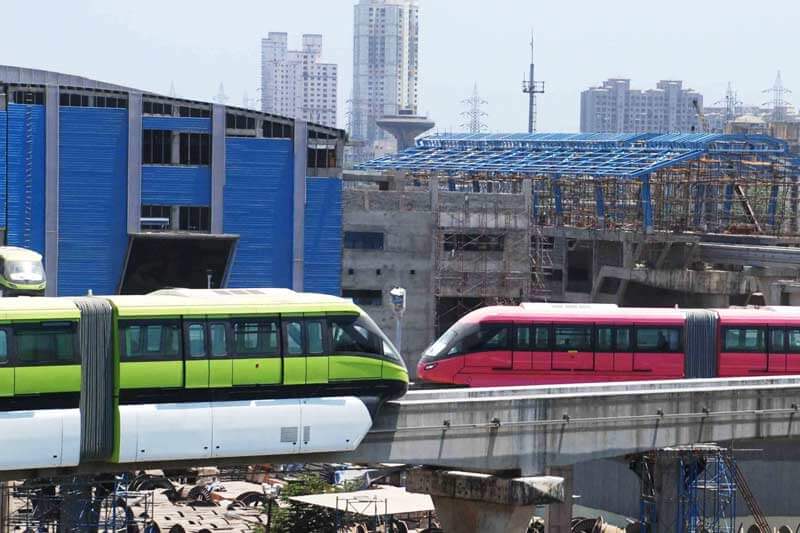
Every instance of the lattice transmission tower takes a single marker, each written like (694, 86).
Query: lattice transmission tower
(474, 114)
(777, 101)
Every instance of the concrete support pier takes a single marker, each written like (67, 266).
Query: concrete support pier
(466, 502)
(558, 516)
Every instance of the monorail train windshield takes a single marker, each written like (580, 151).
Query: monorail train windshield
(361, 335)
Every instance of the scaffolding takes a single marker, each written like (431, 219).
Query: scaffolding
(706, 481)
(487, 248)
(75, 504)
(531, 191)
(703, 183)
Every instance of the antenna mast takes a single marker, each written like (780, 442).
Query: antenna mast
(531, 87)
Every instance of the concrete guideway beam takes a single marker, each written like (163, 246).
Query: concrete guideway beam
(527, 431)
(467, 502)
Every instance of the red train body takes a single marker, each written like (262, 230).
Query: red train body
(535, 344)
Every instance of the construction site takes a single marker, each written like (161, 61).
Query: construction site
(634, 219)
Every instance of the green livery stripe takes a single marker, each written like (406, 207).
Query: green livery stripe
(150, 374)
(394, 371)
(46, 379)
(345, 367)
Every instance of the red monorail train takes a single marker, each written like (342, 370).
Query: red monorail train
(535, 344)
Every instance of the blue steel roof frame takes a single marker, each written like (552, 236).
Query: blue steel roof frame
(558, 160)
(557, 154)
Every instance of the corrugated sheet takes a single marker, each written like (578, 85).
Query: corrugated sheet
(184, 124)
(322, 265)
(25, 192)
(258, 207)
(93, 159)
(3, 129)
(176, 185)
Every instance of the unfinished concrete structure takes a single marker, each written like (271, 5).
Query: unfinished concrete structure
(635, 219)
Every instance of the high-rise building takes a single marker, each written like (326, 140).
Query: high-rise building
(385, 62)
(295, 83)
(615, 107)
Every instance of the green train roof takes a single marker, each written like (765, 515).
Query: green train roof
(173, 302)
(37, 308)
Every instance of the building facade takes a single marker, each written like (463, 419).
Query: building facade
(124, 191)
(295, 83)
(616, 108)
(385, 67)
(633, 220)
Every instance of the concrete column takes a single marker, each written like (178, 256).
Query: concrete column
(134, 162)
(51, 172)
(666, 487)
(299, 211)
(175, 218)
(558, 515)
(175, 156)
(217, 168)
(467, 502)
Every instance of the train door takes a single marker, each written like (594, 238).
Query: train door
(521, 357)
(604, 349)
(541, 350)
(294, 360)
(776, 350)
(793, 350)
(220, 364)
(623, 349)
(6, 370)
(316, 337)
(255, 351)
(573, 347)
(195, 366)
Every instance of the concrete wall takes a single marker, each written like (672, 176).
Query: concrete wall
(407, 222)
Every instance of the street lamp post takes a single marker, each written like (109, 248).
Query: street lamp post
(398, 299)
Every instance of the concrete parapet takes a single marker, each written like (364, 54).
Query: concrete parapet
(467, 502)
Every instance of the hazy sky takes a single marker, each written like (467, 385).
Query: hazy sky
(197, 44)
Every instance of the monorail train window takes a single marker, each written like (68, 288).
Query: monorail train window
(777, 340)
(658, 339)
(218, 340)
(487, 338)
(197, 341)
(794, 340)
(605, 339)
(294, 337)
(151, 340)
(251, 337)
(349, 336)
(744, 340)
(573, 338)
(3, 347)
(314, 337)
(522, 339)
(541, 338)
(46, 342)
(623, 340)
(495, 338)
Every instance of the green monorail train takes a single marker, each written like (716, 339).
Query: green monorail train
(188, 374)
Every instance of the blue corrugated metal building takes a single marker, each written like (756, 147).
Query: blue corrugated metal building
(125, 191)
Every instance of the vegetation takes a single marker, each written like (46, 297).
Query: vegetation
(293, 517)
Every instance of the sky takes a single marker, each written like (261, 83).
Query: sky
(196, 45)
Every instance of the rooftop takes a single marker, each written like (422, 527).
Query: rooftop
(567, 154)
